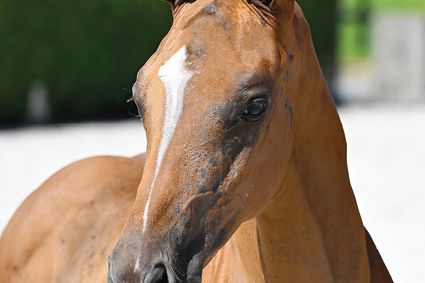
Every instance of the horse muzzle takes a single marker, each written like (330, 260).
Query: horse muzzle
(157, 261)
(159, 272)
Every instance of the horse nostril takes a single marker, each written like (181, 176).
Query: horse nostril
(158, 274)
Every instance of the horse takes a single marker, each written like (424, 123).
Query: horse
(244, 179)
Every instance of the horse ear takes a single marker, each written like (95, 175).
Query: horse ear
(283, 9)
(176, 3)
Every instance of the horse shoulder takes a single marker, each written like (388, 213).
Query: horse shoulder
(67, 226)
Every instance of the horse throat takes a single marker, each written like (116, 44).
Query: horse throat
(312, 230)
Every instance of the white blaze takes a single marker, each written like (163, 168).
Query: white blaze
(137, 265)
(174, 75)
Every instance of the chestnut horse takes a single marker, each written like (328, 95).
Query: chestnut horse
(245, 177)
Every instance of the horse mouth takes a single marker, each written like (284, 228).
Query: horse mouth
(161, 274)
(176, 271)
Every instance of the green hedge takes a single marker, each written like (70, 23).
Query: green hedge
(86, 52)
(323, 19)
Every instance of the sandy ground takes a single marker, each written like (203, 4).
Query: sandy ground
(386, 159)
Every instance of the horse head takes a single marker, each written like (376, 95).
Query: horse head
(218, 101)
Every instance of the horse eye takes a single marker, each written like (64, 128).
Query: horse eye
(256, 109)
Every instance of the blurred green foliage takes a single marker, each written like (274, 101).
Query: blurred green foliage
(403, 5)
(86, 52)
(354, 31)
(323, 19)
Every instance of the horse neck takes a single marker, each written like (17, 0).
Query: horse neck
(312, 231)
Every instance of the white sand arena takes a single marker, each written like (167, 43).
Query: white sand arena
(386, 153)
